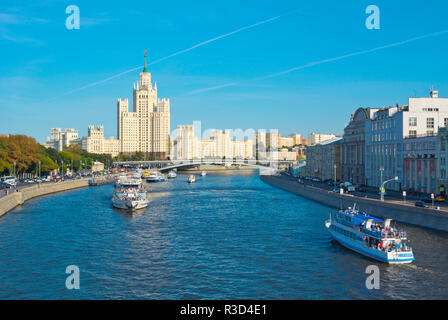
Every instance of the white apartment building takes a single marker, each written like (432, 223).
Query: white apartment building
(144, 129)
(60, 139)
(220, 145)
(389, 130)
(316, 138)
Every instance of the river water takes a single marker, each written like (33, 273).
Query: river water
(224, 237)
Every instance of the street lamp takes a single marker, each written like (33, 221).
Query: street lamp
(381, 172)
(14, 169)
(334, 166)
(382, 187)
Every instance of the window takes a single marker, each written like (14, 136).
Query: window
(412, 121)
(429, 122)
(445, 122)
(412, 133)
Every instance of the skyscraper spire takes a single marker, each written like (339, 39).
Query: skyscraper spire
(144, 69)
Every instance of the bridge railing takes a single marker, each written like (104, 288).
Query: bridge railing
(263, 162)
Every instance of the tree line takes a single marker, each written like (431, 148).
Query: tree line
(26, 153)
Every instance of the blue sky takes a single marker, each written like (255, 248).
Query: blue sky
(42, 61)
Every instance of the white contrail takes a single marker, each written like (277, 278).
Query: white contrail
(217, 38)
(311, 64)
(214, 88)
(173, 54)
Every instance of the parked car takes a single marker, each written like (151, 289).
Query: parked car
(428, 199)
(337, 190)
(316, 180)
(420, 204)
(362, 189)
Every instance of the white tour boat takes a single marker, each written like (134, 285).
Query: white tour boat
(191, 179)
(155, 176)
(129, 195)
(370, 236)
(172, 174)
(203, 173)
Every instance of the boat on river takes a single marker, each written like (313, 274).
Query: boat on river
(155, 176)
(172, 174)
(191, 179)
(203, 173)
(129, 194)
(370, 236)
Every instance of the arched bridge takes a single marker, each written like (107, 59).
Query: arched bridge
(265, 166)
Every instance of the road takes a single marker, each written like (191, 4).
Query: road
(373, 193)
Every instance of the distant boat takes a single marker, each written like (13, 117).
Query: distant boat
(203, 173)
(172, 174)
(191, 179)
(155, 176)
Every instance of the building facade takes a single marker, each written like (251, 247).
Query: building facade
(442, 151)
(315, 138)
(219, 145)
(144, 129)
(60, 139)
(420, 164)
(353, 147)
(96, 143)
(390, 130)
(323, 160)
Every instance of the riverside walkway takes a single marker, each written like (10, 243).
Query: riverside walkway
(397, 210)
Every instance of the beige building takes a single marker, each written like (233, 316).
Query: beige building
(220, 145)
(283, 155)
(296, 139)
(96, 143)
(315, 138)
(323, 160)
(144, 129)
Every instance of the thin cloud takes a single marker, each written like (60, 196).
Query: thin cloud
(200, 44)
(315, 63)
(7, 18)
(21, 39)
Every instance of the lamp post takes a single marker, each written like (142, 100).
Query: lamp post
(14, 169)
(334, 166)
(381, 173)
(382, 187)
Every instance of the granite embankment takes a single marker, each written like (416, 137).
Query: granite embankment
(406, 213)
(14, 199)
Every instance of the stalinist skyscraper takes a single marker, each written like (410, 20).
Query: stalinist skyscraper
(147, 127)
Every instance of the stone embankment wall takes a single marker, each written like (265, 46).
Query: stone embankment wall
(14, 199)
(406, 213)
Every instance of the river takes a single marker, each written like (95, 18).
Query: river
(224, 237)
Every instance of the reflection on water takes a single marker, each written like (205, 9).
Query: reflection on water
(223, 237)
